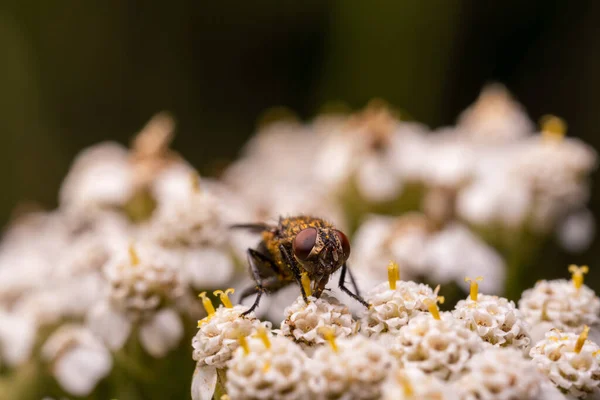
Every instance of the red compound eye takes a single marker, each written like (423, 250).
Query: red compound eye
(345, 243)
(304, 242)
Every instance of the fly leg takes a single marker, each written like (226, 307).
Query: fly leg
(342, 285)
(268, 285)
(295, 270)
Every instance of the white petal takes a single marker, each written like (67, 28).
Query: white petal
(209, 268)
(110, 325)
(79, 369)
(162, 333)
(377, 182)
(204, 382)
(549, 392)
(17, 334)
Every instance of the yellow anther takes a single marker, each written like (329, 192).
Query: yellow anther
(306, 284)
(195, 181)
(243, 343)
(266, 367)
(474, 286)
(134, 259)
(577, 274)
(208, 306)
(223, 295)
(406, 385)
(433, 308)
(554, 128)
(225, 397)
(329, 335)
(393, 274)
(581, 339)
(596, 353)
(263, 335)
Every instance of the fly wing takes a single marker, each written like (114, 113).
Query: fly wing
(253, 227)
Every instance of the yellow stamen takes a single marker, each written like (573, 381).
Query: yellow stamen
(433, 308)
(263, 335)
(393, 274)
(581, 339)
(134, 259)
(474, 286)
(329, 335)
(244, 344)
(406, 385)
(553, 128)
(577, 274)
(266, 367)
(596, 353)
(306, 284)
(223, 295)
(225, 397)
(195, 181)
(208, 306)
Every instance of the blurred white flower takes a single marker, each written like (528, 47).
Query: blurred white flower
(442, 256)
(570, 361)
(350, 368)
(577, 230)
(273, 368)
(495, 319)
(99, 178)
(144, 285)
(494, 118)
(17, 338)
(440, 347)
(413, 384)
(559, 304)
(499, 374)
(78, 359)
(456, 252)
(303, 322)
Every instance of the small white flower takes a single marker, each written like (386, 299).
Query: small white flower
(78, 359)
(577, 231)
(495, 319)
(217, 338)
(438, 347)
(362, 151)
(570, 361)
(17, 338)
(380, 239)
(144, 284)
(273, 370)
(499, 374)
(100, 178)
(391, 309)
(304, 321)
(413, 384)
(494, 118)
(351, 368)
(457, 252)
(559, 304)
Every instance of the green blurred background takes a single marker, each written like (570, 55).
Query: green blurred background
(73, 73)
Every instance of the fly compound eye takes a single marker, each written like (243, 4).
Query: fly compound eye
(304, 242)
(345, 243)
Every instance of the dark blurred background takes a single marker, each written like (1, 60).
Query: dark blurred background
(73, 73)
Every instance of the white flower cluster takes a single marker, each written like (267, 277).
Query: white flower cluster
(303, 322)
(495, 319)
(391, 309)
(104, 286)
(570, 361)
(559, 304)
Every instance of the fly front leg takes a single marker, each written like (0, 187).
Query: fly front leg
(295, 270)
(342, 285)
